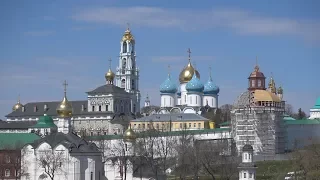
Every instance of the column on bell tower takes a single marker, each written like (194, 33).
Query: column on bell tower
(127, 75)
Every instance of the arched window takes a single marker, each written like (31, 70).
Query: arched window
(124, 47)
(7, 173)
(124, 63)
(123, 83)
(259, 83)
(206, 101)
(245, 156)
(134, 108)
(253, 83)
(132, 84)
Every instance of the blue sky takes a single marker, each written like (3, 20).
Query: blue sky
(44, 43)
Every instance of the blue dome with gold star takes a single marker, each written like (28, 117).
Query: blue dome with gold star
(194, 84)
(211, 88)
(168, 86)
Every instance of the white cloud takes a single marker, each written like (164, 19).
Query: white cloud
(239, 21)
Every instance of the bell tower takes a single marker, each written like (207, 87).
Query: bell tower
(127, 74)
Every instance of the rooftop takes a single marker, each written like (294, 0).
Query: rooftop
(172, 117)
(16, 140)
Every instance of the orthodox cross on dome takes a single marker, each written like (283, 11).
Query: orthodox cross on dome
(18, 98)
(256, 68)
(65, 84)
(169, 70)
(128, 26)
(210, 77)
(110, 60)
(189, 52)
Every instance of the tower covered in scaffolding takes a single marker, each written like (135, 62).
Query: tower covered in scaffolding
(256, 117)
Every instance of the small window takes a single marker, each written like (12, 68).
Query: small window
(143, 126)
(259, 83)
(250, 175)
(180, 125)
(99, 108)
(107, 108)
(157, 126)
(8, 159)
(91, 133)
(139, 126)
(253, 83)
(98, 133)
(199, 125)
(245, 156)
(189, 125)
(104, 133)
(7, 173)
(92, 108)
(244, 175)
(194, 125)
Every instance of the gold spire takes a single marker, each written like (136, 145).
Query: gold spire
(64, 109)
(187, 72)
(127, 36)
(189, 54)
(109, 75)
(272, 84)
(18, 105)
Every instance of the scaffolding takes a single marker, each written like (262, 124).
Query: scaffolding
(258, 124)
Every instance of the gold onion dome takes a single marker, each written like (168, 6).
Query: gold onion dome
(129, 135)
(187, 73)
(127, 36)
(17, 106)
(64, 109)
(109, 75)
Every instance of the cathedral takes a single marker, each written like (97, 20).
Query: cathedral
(191, 96)
(106, 108)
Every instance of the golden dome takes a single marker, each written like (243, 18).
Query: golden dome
(127, 36)
(272, 85)
(64, 109)
(17, 106)
(263, 95)
(129, 135)
(187, 73)
(109, 75)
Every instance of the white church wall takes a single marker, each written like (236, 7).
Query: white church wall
(168, 100)
(314, 114)
(194, 99)
(211, 100)
(183, 94)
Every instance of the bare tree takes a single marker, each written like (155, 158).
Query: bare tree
(121, 153)
(289, 110)
(52, 161)
(156, 149)
(306, 161)
(186, 157)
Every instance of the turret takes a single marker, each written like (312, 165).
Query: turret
(18, 105)
(194, 91)
(64, 111)
(280, 93)
(247, 168)
(109, 75)
(210, 93)
(147, 101)
(168, 91)
(256, 79)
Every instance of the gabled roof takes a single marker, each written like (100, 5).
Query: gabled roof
(16, 140)
(107, 89)
(70, 140)
(51, 109)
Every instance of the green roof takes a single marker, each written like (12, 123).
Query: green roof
(287, 117)
(227, 123)
(303, 122)
(157, 133)
(44, 122)
(16, 140)
(317, 105)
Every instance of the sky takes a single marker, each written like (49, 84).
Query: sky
(44, 43)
